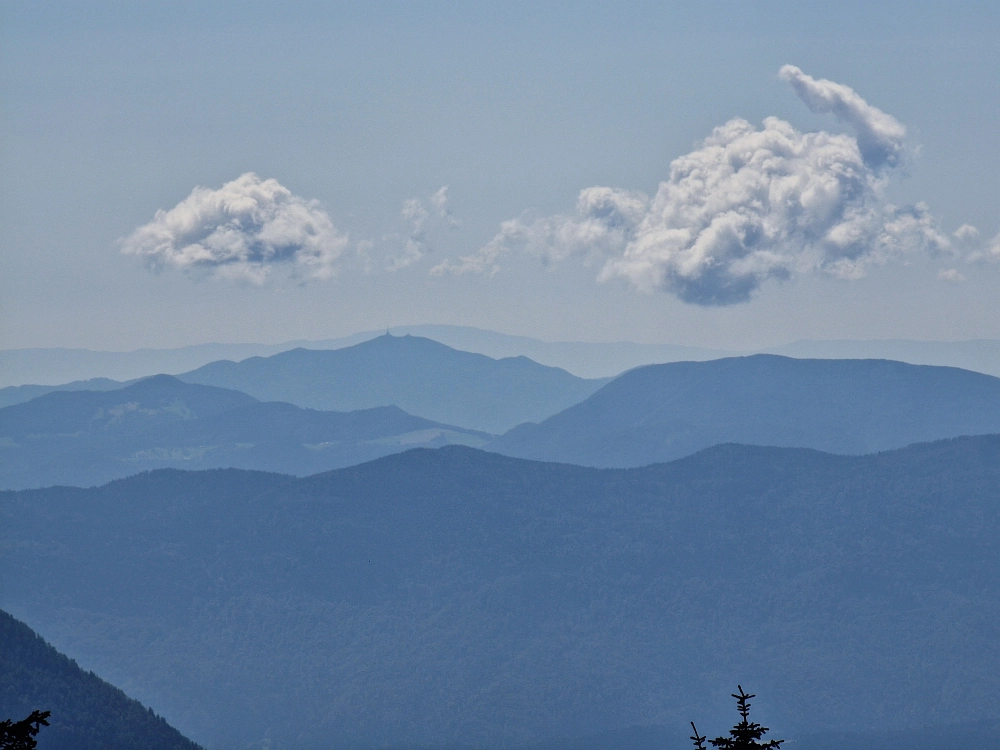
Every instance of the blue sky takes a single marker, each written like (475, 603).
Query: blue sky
(113, 111)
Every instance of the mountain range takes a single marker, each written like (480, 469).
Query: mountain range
(451, 596)
(416, 374)
(19, 394)
(648, 415)
(585, 359)
(86, 713)
(91, 437)
(663, 412)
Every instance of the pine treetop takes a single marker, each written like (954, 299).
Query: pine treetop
(746, 734)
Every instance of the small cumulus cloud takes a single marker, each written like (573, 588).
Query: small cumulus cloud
(951, 274)
(749, 204)
(242, 231)
(967, 235)
(424, 216)
(967, 239)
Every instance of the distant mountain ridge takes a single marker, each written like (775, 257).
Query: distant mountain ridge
(19, 394)
(586, 359)
(663, 412)
(977, 355)
(456, 597)
(416, 374)
(86, 712)
(648, 415)
(54, 366)
(91, 437)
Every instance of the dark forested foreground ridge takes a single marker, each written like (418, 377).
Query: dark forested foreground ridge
(85, 712)
(86, 437)
(455, 597)
(663, 412)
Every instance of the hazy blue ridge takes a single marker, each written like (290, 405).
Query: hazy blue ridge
(593, 359)
(19, 394)
(86, 712)
(416, 374)
(978, 355)
(90, 437)
(662, 412)
(457, 597)
(582, 358)
(50, 366)
(586, 359)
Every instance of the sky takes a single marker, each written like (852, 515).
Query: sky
(729, 175)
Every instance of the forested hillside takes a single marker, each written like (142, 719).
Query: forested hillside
(87, 437)
(456, 596)
(663, 412)
(86, 712)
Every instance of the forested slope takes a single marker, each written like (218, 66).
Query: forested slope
(460, 597)
(86, 712)
(88, 437)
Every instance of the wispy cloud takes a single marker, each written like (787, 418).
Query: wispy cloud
(951, 274)
(748, 205)
(423, 215)
(242, 231)
(969, 240)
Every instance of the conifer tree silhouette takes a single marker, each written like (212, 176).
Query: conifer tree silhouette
(744, 735)
(20, 735)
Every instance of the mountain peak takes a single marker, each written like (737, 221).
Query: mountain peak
(661, 412)
(421, 376)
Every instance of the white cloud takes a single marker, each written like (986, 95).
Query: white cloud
(604, 220)
(748, 205)
(967, 238)
(950, 274)
(242, 231)
(880, 136)
(967, 235)
(423, 216)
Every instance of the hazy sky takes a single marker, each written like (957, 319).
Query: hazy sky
(354, 116)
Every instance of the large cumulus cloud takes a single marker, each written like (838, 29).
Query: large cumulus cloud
(244, 230)
(748, 205)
